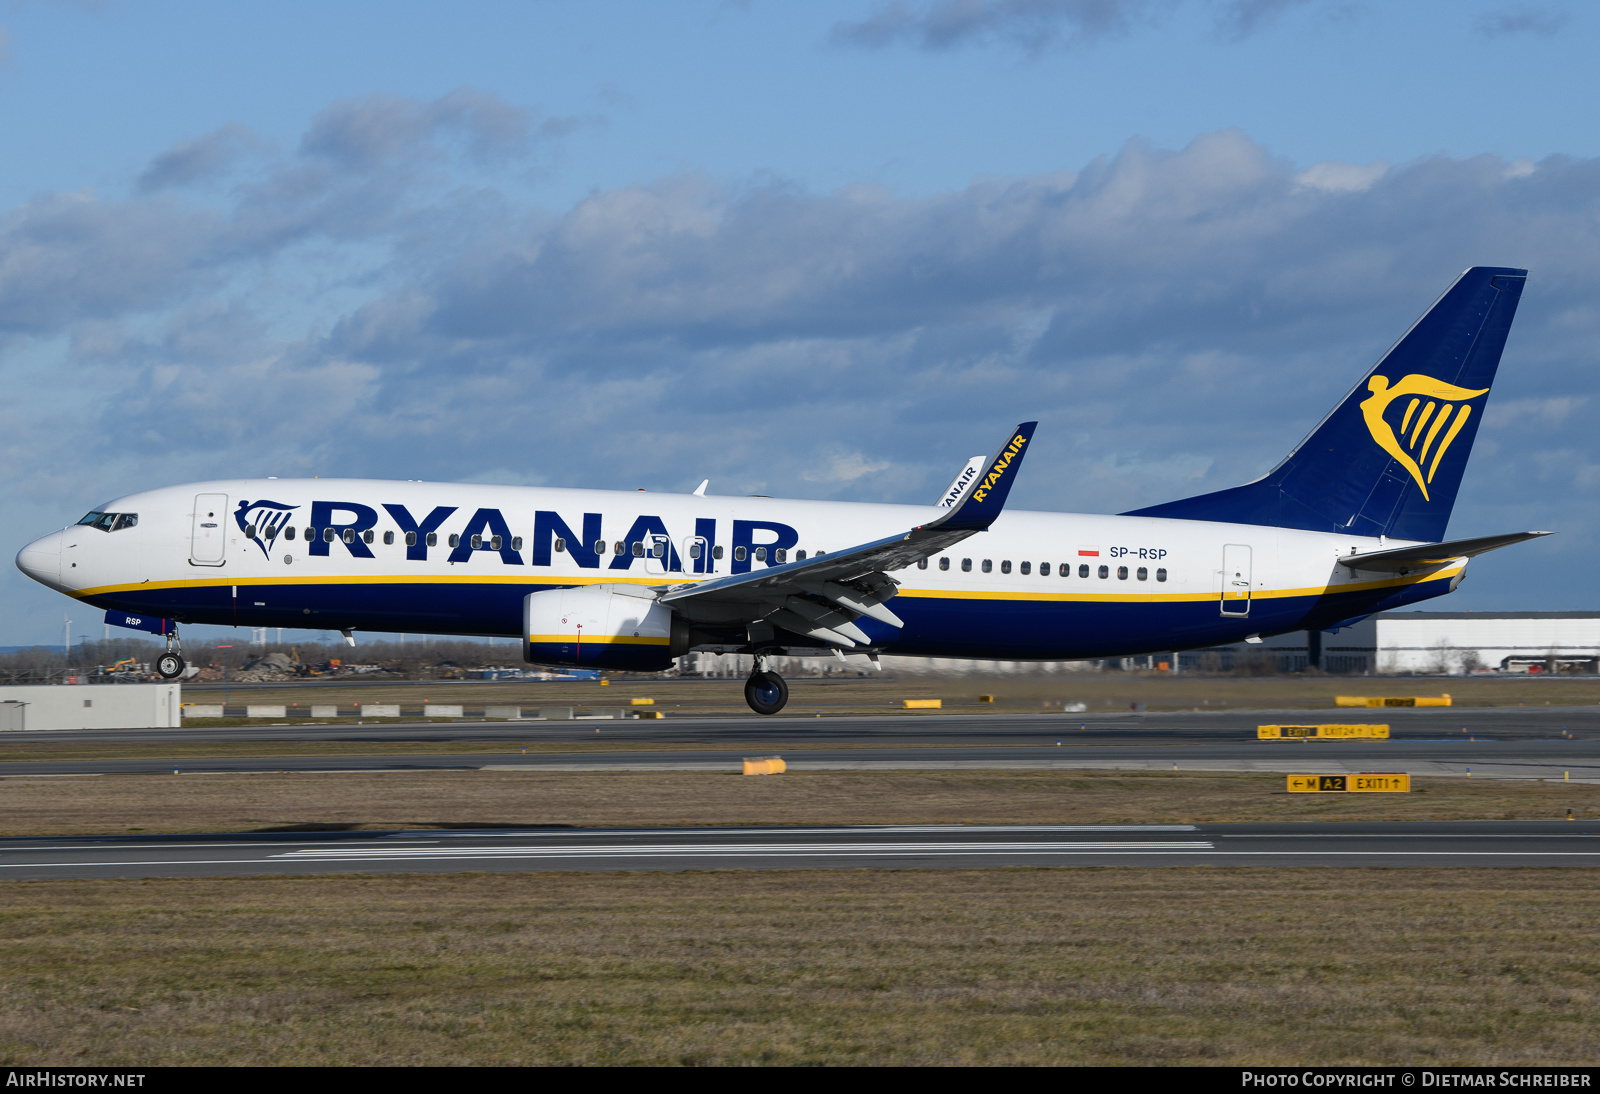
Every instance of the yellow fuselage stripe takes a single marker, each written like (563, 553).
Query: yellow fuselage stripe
(929, 594)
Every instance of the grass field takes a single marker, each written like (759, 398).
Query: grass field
(1103, 692)
(469, 799)
(1195, 966)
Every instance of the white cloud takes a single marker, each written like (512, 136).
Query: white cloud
(1343, 178)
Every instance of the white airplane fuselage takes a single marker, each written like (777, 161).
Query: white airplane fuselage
(1040, 586)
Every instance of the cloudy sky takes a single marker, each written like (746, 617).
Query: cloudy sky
(820, 250)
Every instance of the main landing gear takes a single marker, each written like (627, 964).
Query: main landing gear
(170, 665)
(765, 691)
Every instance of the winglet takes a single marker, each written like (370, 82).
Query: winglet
(986, 495)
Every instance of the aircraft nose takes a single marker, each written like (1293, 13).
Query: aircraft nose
(41, 560)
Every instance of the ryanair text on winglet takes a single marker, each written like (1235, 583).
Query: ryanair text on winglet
(998, 471)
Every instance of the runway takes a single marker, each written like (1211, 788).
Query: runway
(1391, 845)
(1525, 745)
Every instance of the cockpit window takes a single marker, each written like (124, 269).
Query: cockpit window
(110, 522)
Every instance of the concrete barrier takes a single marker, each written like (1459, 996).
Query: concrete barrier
(380, 710)
(555, 713)
(266, 711)
(324, 710)
(202, 710)
(441, 710)
(512, 713)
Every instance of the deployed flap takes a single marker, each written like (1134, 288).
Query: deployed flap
(852, 583)
(1402, 559)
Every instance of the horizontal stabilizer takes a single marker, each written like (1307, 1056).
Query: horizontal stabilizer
(1405, 559)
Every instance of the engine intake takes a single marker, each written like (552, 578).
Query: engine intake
(602, 627)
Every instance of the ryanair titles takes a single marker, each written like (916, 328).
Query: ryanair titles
(360, 531)
(999, 468)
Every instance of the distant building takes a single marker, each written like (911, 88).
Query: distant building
(1432, 643)
(1452, 643)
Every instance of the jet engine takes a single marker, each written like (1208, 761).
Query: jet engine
(602, 627)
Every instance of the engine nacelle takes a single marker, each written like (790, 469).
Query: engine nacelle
(601, 627)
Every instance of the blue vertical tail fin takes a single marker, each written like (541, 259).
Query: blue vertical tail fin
(1388, 460)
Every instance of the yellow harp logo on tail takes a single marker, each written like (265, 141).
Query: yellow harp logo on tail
(1428, 426)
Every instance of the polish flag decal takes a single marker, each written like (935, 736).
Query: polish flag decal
(1089, 552)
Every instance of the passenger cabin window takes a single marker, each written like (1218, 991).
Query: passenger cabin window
(694, 550)
(638, 549)
(659, 549)
(966, 565)
(1044, 569)
(716, 552)
(944, 564)
(1025, 567)
(516, 542)
(349, 535)
(599, 546)
(1122, 573)
(761, 554)
(311, 534)
(1143, 574)
(988, 566)
(1083, 570)
(388, 539)
(561, 545)
(738, 554)
(922, 564)
(433, 539)
(1105, 572)
(1005, 566)
(1161, 575)
(249, 531)
(288, 534)
(620, 549)
(454, 541)
(327, 535)
(411, 539)
(799, 556)
(779, 554)
(477, 543)
(366, 537)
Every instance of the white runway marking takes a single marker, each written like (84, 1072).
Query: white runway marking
(739, 850)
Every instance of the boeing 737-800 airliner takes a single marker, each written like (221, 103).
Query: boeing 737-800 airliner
(1349, 524)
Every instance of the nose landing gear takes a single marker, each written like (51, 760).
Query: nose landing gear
(170, 665)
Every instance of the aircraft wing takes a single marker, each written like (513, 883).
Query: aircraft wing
(1428, 555)
(822, 596)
